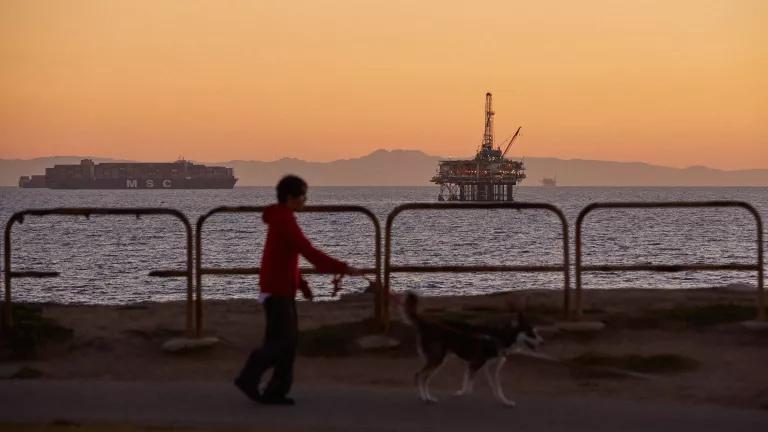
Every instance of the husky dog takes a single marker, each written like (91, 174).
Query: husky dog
(478, 346)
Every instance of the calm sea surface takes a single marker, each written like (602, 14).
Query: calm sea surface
(106, 259)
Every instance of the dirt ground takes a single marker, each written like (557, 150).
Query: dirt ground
(676, 345)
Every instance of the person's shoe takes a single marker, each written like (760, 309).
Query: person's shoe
(251, 392)
(276, 400)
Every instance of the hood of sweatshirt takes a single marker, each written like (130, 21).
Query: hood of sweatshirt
(275, 213)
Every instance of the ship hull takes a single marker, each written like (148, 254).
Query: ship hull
(145, 183)
(133, 175)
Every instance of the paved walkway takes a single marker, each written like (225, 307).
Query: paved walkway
(217, 404)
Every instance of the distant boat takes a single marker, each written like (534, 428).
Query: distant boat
(549, 182)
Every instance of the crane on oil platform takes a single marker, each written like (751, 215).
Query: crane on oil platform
(487, 152)
(487, 177)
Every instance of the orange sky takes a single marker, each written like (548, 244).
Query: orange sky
(668, 82)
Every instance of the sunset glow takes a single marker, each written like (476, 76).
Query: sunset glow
(675, 83)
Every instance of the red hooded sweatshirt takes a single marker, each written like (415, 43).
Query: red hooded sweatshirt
(280, 261)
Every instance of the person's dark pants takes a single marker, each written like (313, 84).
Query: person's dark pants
(278, 350)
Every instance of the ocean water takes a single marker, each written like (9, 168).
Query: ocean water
(106, 259)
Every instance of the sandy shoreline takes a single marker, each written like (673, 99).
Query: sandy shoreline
(706, 354)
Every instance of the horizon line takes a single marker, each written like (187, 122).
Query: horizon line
(372, 153)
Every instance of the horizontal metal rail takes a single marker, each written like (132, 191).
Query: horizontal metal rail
(474, 269)
(389, 268)
(87, 212)
(167, 273)
(33, 274)
(668, 268)
(758, 266)
(200, 270)
(230, 271)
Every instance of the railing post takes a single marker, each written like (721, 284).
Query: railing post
(7, 310)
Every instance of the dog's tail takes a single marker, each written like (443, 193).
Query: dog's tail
(411, 308)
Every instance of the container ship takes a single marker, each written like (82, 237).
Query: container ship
(181, 174)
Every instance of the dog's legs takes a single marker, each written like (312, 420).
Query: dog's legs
(466, 384)
(470, 372)
(434, 359)
(422, 382)
(419, 387)
(427, 376)
(489, 376)
(419, 375)
(493, 372)
(502, 398)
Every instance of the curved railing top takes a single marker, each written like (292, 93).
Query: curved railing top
(477, 206)
(88, 211)
(307, 209)
(668, 204)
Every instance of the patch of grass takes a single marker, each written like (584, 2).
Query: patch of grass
(481, 308)
(158, 333)
(339, 340)
(657, 363)
(647, 321)
(458, 315)
(28, 373)
(531, 309)
(708, 315)
(132, 307)
(30, 330)
(545, 309)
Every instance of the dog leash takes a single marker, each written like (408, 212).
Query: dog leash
(336, 284)
(337, 287)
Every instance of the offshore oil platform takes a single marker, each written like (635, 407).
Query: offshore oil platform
(490, 176)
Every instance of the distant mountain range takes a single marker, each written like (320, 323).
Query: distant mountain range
(414, 168)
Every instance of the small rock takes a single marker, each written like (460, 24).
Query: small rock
(371, 342)
(9, 371)
(755, 325)
(182, 345)
(548, 330)
(580, 326)
(19, 372)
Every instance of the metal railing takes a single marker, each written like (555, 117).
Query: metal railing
(87, 212)
(194, 308)
(200, 270)
(676, 267)
(389, 268)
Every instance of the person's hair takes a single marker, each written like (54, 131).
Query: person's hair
(290, 185)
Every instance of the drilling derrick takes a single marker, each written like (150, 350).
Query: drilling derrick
(490, 176)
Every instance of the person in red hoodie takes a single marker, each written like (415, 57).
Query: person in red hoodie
(278, 282)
